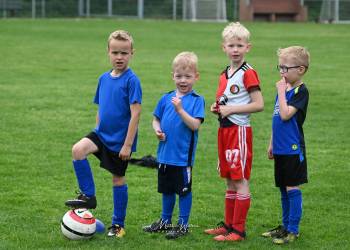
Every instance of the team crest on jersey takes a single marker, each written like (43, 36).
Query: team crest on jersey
(234, 89)
(222, 100)
(294, 146)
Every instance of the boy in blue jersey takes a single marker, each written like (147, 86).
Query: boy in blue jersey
(118, 97)
(287, 144)
(176, 121)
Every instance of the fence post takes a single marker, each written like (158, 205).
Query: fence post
(110, 8)
(43, 8)
(33, 8)
(174, 9)
(87, 8)
(140, 8)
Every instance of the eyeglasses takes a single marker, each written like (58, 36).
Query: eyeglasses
(284, 68)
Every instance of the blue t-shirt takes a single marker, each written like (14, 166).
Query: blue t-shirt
(114, 95)
(180, 144)
(288, 136)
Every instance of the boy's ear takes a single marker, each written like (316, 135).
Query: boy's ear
(249, 46)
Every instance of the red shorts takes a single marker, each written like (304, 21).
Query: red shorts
(235, 146)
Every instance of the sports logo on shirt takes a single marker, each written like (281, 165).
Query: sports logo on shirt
(294, 146)
(234, 89)
(222, 100)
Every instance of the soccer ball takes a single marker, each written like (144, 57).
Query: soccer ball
(78, 224)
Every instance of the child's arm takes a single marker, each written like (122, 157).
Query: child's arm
(125, 152)
(269, 149)
(256, 105)
(157, 129)
(286, 112)
(192, 123)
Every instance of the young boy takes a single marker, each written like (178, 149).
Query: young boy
(287, 145)
(176, 121)
(118, 97)
(237, 96)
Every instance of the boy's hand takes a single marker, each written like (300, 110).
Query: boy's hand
(225, 110)
(177, 103)
(269, 152)
(125, 152)
(214, 108)
(281, 85)
(160, 135)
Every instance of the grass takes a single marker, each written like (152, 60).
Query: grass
(48, 75)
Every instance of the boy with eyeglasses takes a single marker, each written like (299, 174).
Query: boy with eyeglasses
(287, 144)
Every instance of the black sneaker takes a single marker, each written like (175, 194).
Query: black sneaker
(157, 227)
(276, 232)
(82, 201)
(176, 232)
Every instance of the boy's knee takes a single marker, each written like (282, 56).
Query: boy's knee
(78, 152)
(118, 180)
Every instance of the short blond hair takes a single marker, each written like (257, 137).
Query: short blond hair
(298, 54)
(186, 60)
(121, 35)
(235, 30)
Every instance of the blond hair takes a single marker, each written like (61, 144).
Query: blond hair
(298, 54)
(186, 60)
(121, 35)
(235, 30)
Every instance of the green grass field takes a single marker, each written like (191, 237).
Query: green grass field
(48, 76)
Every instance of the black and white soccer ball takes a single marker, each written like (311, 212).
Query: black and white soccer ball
(78, 224)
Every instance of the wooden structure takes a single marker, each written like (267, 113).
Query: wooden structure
(272, 10)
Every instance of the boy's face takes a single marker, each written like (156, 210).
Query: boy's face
(290, 70)
(235, 49)
(119, 52)
(184, 79)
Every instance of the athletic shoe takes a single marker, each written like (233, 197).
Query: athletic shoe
(290, 237)
(176, 232)
(231, 235)
(276, 232)
(82, 201)
(157, 227)
(221, 229)
(116, 231)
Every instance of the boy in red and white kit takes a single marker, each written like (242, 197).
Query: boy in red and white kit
(237, 96)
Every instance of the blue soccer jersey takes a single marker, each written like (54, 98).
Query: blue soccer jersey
(179, 147)
(114, 95)
(288, 136)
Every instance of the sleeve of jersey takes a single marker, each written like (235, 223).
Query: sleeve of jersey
(135, 91)
(251, 80)
(222, 85)
(158, 112)
(97, 94)
(199, 109)
(300, 99)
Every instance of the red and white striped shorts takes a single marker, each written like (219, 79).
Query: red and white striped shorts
(235, 148)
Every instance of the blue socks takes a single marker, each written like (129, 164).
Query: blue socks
(84, 176)
(285, 207)
(291, 209)
(168, 203)
(185, 204)
(295, 208)
(120, 201)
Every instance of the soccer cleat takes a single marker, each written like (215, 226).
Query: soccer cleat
(82, 201)
(231, 235)
(221, 229)
(157, 227)
(116, 231)
(290, 237)
(276, 232)
(176, 232)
